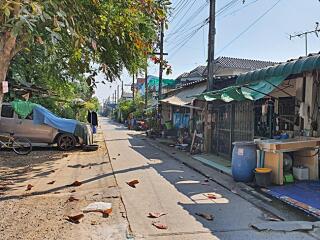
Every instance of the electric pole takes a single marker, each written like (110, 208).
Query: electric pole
(133, 86)
(146, 86)
(211, 43)
(118, 92)
(161, 59)
(305, 34)
(122, 89)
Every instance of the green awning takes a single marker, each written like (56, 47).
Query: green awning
(253, 91)
(259, 83)
(284, 69)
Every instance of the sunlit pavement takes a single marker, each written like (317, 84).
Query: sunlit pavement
(167, 186)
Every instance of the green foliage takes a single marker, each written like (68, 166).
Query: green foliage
(111, 33)
(136, 107)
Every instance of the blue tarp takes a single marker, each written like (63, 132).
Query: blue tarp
(181, 120)
(42, 115)
(302, 194)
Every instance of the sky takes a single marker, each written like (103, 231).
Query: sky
(256, 29)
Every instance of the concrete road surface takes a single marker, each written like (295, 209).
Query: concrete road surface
(168, 186)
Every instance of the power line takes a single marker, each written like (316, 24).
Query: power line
(187, 31)
(178, 10)
(188, 39)
(239, 9)
(183, 26)
(250, 26)
(178, 41)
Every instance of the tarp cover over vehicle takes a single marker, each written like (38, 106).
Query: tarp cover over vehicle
(42, 115)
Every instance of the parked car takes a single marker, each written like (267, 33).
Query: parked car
(11, 122)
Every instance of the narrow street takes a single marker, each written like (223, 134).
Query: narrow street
(168, 186)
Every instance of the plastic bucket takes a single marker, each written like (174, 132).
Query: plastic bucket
(263, 177)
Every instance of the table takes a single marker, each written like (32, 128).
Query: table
(305, 152)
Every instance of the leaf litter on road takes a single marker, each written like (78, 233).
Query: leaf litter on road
(160, 225)
(75, 218)
(133, 183)
(156, 214)
(29, 187)
(75, 184)
(206, 216)
(72, 199)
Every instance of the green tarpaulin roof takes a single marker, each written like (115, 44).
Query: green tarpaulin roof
(284, 69)
(153, 81)
(257, 84)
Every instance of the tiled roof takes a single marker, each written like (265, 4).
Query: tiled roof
(241, 63)
(183, 75)
(197, 72)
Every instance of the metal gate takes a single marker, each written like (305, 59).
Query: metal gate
(231, 122)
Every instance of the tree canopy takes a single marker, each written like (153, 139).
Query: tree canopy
(61, 40)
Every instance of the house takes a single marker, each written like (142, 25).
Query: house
(226, 66)
(127, 96)
(181, 103)
(263, 102)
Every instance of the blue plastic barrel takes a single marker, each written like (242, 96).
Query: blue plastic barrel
(244, 161)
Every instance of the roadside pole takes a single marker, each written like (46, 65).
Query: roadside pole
(161, 60)
(146, 86)
(210, 81)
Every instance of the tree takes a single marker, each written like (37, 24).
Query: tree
(113, 34)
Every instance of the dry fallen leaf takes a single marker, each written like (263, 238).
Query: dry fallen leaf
(133, 183)
(206, 216)
(72, 199)
(211, 196)
(160, 225)
(52, 182)
(155, 214)
(29, 187)
(76, 184)
(75, 218)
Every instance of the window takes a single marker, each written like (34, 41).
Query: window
(29, 117)
(7, 111)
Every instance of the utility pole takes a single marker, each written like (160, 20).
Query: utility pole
(305, 34)
(118, 91)
(211, 43)
(133, 86)
(161, 59)
(146, 86)
(122, 89)
(115, 96)
(210, 81)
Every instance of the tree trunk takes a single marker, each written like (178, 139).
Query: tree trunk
(7, 52)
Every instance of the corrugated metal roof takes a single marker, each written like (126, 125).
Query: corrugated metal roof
(184, 97)
(303, 64)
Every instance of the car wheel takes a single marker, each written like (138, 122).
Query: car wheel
(66, 142)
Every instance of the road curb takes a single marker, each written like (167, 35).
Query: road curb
(129, 234)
